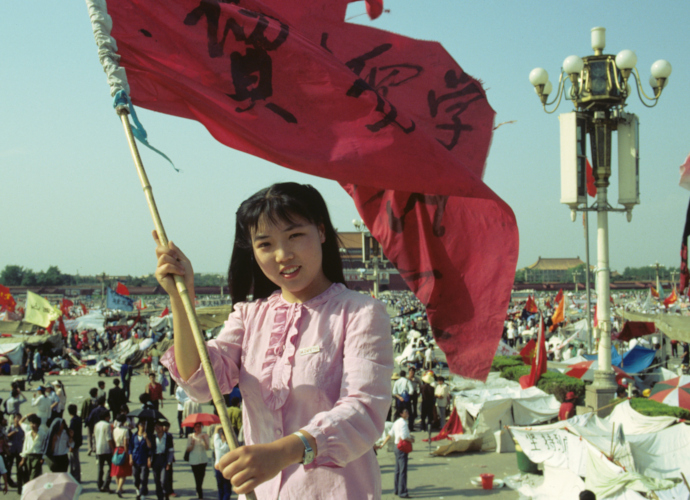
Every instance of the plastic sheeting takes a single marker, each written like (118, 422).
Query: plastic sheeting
(14, 352)
(94, 320)
(637, 359)
(615, 357)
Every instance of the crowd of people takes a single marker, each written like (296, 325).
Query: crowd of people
(36, 437)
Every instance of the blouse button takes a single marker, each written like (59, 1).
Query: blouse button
(278, 432)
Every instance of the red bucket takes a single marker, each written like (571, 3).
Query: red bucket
(487, 481)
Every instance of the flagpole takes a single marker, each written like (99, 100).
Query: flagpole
(216, 394)
(589, 290)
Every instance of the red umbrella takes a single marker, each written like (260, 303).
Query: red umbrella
(584, 370)
(200, 418)
(673, 392)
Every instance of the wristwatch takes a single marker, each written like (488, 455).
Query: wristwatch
(308, 450)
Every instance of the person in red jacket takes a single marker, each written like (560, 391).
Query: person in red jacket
(567, 407)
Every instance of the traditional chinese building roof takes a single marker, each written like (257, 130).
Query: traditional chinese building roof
(555, 264)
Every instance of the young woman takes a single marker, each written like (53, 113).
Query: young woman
(121, 439)
(220, 449)
(313, 359)
(197, 445)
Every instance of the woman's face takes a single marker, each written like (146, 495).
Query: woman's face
(197, 428)
(290, 255)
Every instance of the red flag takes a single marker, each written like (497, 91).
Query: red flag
(294, 84)
(61, 327)
(121, 289)
(591, 186)
(684, 273)
(527, 352)
(538, 362)
(453, 426)
(83, 308)
(559, 296)
(531, 306)
(671, 299)
(655, 294)
(6, 299)
(165, 312)
(558, 315)
(64, 307)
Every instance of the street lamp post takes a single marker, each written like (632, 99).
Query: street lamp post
(370, 254)
(599, 87)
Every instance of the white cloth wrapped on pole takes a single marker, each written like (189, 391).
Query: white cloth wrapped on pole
(102, 25)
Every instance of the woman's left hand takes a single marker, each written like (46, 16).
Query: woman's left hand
(248, 466)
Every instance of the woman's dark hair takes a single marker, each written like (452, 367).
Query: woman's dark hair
(284, 202)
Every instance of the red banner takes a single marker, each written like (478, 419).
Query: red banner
(395, 120)
(6, 300)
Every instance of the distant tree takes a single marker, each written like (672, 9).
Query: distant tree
(29, 278)
(12, 275)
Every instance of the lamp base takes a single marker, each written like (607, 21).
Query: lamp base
(601, 392)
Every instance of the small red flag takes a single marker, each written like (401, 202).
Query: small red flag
(591, 186)
(671, 299)
(121, 289)
(64, 307)
(558, 316)
(559, 296)
(6, 299)
(539, 361)
(165, 312)
(83, 308)
(61, 327)
(531, 306)
(374, 8)
(527, 352)
(655, 294)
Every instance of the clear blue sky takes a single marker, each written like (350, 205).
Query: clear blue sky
(70, 196)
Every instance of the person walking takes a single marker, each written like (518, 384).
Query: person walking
(103, 436)
(400, 432)
(126, 371)
(31, 464)
(121, 467)
(161, 460)
(402, 392)
(197, 445)
(442, 393)
(416, 383)
(220, 448)
(15, 440)
(75, 432)
(182, 398)
(42, 403)
(13, 403)
(155, 390)
(58, 446)
(140, 454)
(61, 395)
(116, 398)
(428, 400)
(86, 407)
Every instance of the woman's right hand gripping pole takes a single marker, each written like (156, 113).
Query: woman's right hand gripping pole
(171, 261)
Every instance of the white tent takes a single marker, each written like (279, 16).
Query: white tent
(646, 451)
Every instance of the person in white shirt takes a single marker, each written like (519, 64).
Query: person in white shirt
(182, 398)
(105, 445)
(54, 403)
(400, 432)
(442, 394)
(220, 448)
(31, 464)
(402, 392)
(197, 444)
(42, 403)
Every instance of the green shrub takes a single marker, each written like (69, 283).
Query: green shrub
(515, 372)
(559, 385)
(500, 363)
(655, 409)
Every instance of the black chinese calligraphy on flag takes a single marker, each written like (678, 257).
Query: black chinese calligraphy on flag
(396, 121)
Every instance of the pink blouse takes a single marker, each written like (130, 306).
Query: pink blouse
(323, 366)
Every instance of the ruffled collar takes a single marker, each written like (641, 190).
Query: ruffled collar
(276, 298)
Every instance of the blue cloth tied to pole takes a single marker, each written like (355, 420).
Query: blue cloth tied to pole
(138, 131)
